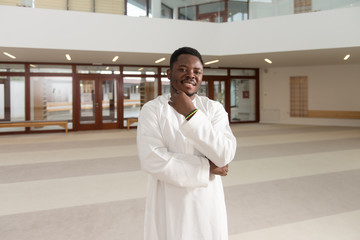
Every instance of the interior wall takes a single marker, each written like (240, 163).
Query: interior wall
(333, 88)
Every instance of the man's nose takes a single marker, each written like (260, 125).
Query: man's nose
(191, 74)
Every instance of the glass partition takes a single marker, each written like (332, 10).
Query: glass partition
(86, 69)
(215, 72)
(140, 70)
(242, 72)
(12, 68)
(243, 100)
(12, 101)
(41, 68)
(51, 99)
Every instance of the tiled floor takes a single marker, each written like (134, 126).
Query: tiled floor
(286, 182)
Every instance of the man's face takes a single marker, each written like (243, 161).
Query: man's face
(186, 74)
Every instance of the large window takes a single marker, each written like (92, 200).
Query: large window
(51, 99)
(136, 92)
(45, 92)
(12, 100)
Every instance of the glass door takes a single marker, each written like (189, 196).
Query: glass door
(243, 100)
(217, 89)
(98, 103)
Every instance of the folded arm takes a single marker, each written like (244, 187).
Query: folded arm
(184, 170)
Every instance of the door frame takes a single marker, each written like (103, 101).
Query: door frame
(98, 125)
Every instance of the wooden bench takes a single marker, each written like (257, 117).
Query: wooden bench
(130, 121)
(63, 124)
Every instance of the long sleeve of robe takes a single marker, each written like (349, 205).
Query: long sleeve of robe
(184, 201)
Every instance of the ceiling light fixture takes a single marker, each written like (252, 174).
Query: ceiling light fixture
(9, 55)
(346, 57)
(115, 58)
(160, 60)
(68, 57)
(140, 69)
(211, 62)
(268, 60)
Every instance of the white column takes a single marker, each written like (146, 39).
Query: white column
(156, 8)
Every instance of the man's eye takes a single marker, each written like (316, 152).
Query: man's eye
(182, 69)
(197, 72)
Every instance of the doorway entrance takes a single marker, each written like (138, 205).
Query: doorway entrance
(98, 102)
(216, 88)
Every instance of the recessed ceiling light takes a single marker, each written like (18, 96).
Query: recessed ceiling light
(115, 58)
(268, 60)
(211, 62)
(9, 55)
(160, 60)
(68, 57)
(346, 57)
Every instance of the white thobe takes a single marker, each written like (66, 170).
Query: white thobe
(184, 201)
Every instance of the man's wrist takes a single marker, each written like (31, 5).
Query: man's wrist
(190, 115)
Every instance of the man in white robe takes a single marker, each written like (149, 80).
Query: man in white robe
(185, 144)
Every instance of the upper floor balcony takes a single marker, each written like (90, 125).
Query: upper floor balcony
(193, 10)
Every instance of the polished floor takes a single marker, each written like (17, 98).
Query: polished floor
(287, 182)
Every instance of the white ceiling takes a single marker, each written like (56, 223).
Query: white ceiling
(279, 59)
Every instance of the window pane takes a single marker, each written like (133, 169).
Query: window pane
(204, 89)
(51, 99)
(219, 92)
(165, 85)
(38, 68)
(12, 68)
(87, 101)
(215, 72)
(12, 101)
(242, 100)
(98, 69)
(237, 11)
(187, 13)
(140, 70)
(242, 72)
(166, 12)
(131, 97)
(136, 8)
(211, 7)
(164, 71)
(109, 101)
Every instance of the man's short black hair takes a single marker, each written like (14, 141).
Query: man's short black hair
(184, 50)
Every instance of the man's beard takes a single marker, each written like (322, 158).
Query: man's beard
(188, 94)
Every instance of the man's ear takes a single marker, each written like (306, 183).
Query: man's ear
(169, 74)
